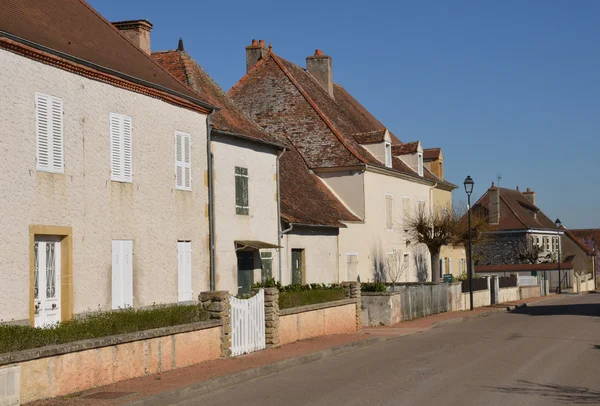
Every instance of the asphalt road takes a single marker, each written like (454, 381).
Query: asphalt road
(547, 354)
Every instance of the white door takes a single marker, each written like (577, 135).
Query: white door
(184, 271)
(122, 274)
(46, 280)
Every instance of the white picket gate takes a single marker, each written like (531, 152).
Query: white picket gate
(248, 324)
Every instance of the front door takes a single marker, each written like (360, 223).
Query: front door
(46, 282)
(297, 267)
(245, 260)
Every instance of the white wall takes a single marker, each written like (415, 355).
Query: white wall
(371, 236)
(349, 187)
(261, 222)
(149, 211)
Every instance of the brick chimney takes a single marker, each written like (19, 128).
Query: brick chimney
(137, 31)
(319, 66)
(530, 195)
(255, 53)
(494, 204)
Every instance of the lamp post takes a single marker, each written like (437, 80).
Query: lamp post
(469, 189)
(558, 224)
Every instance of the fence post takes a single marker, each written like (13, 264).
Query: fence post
(219, 307)
(353, 292)
(271, 316)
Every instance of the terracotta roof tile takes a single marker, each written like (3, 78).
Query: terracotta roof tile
(549, 266)
(74, 28)
(431, 153)
(407, 148)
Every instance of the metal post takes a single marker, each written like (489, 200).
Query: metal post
(470, 264)
(558, 260)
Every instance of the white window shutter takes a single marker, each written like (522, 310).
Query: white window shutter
(49, 133)
(127, 273)
(121, 159)
(117, 274)
(184, 255)
(127, 156)
(57, 135)
(183, 161)
(115, 148)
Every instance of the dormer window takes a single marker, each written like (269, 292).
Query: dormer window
(420, 163)
(388, 154)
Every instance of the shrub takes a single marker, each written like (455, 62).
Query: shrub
(271, 283)
(373, 287)
(307, 297)
(98, 324)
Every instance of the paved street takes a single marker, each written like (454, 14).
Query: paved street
(546, 354)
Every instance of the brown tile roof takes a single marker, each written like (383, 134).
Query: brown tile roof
(74, 28)
(230, 118)
(431, 153)
(407, 148)
(588, 234)
(516, 212)
(578, 240)
(550, 266)
(285, 99)
(304, 197)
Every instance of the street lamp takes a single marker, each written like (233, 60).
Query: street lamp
(469, 189)
(558, 224)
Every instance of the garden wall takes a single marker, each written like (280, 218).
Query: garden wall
(527, 292)
(509, 294)
(299, 323)
(481, 298)
(63, 369)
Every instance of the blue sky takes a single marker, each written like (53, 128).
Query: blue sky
(504, 87)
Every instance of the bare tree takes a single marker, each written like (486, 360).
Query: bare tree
(396, 267)
(528, 253)
(421, 264)
(379, 264)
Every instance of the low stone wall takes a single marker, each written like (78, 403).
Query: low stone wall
(508, 294)
(299, 323)
(381, 308)
(527, 292)
(67, 368)
(481, 298)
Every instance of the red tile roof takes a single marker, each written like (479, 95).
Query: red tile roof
(578, 240)
(516, 212)
(304, 197)
(431, 153)
(72, 28)
(286, 99)
(550, 266)
(407, 148)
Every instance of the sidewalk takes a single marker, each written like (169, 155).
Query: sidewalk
(215, 374)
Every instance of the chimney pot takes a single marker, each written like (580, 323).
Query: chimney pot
(255, 53)
(320, 67)
(518, 189)
(137, 32)
(254, 43)
(262, 43)
(180, 45)
(530, 195)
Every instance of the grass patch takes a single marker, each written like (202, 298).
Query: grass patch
(97, 325)
(308, 297)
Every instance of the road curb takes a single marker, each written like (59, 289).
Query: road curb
(197, 389)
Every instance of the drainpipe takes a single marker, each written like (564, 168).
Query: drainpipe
(279, 233)
(287, 230)
(211, 199)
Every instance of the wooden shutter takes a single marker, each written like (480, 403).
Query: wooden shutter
(183, 160)
(122, 274)
(49, 133)
(241, 190)
(184, 267)
(121, 147)
(388, 212)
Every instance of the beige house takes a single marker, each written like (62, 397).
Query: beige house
(360, 161)
(102, 176)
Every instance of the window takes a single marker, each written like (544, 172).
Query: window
(442, 267)
(547, 243)
(267, 265)
(420, 163)
(122, 274)
(388, 154)
(537, 241)
(184, 271)
(241, 190)
(352, 267)
(449, 269)
(49, 133)
(183, 159)
(120, 147)
(405, 210)
(298, 271)
(389, 211)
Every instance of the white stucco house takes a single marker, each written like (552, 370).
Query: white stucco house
(377, 178)
(102, 170)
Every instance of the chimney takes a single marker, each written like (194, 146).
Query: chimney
(319, 66)
(530, 195)
(137, 31)
(255, 53)
(494, 204)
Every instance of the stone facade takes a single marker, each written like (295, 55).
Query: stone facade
(272, 336)
(217, 304)
(353, 292)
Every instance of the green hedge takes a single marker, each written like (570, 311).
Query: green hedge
(97, 325)
(308, 297)
(373, 287)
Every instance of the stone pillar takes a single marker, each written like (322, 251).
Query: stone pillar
(353, 292)
(271, 316)
(217, 304)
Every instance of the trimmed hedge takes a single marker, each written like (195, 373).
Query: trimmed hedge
(373, 287)
(309, 297)
(97, 325)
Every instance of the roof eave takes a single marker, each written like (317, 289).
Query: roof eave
(249, 138)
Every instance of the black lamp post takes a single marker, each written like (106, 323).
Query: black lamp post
(557, 223)
(469, 189)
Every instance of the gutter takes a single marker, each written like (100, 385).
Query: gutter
(250, 139)
(109, 71)
(211, 201)
(279, 232)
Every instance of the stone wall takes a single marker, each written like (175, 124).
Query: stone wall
(509, 294)
(217, 303)
(481, 298)
(527, 292)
